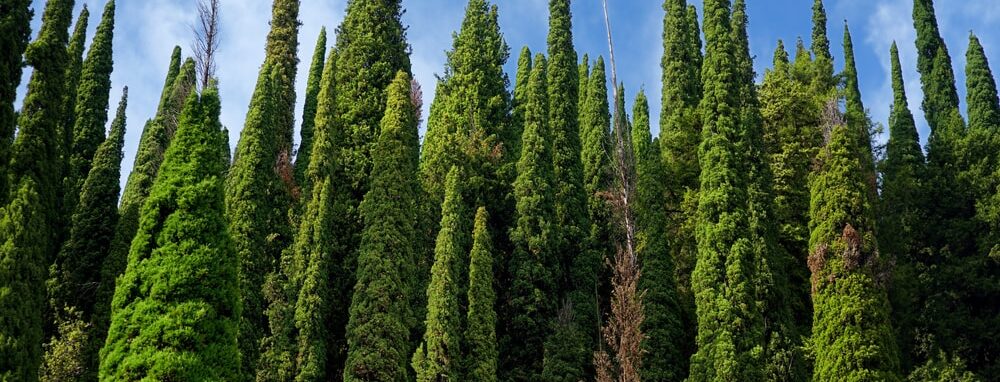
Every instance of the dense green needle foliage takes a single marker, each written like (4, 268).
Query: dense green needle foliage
(177, 306)
(857, 117)
(15, 30)
(852, 336)
(664, 322)
(480, 336)
(27, 224)
(261, 180)
(91, 108)
(530, 302)
(307, 131)
(439, 355)
(823, 80)
(74, 70)
(381, 317)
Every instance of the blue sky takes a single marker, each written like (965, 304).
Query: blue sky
(147, 30)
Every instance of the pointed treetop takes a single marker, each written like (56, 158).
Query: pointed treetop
(780, 55)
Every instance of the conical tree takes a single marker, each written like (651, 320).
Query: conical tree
(791, 115)
(530, 303)
(482, 355)
(583, 70)
(823, 80)
(91, 108)
(77, 270)
(155, 139)
(520, 98)
(852, 336)
(15, 29)
(857, 117)
(177, 307)
(663, 325)
(902, 213)
(26, 225)
(74, 70)
(307, 130)
(439, 356)
(261, 180)
(381, 317)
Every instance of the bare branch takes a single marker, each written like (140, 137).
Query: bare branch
(206, 39)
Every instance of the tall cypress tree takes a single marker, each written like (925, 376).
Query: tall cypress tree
(76, 274)
(726, 256)
(440, 356)
(177, 307)
(902, 213)
(309, 110)
(261, 179)
(381, 317)
(530, 305)
(15, 30)
(857, 117)
(520, 98)
(74, 70)
(480, 336)
(26, 225)
(583, 70)
(791, 115)
(823, 80)
(664, 322)
(852, 337)
(156, 137)
(91, 108)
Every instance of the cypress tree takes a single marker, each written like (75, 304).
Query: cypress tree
(381, 317)
(480, 335)
(26, 225)
(791, 115)
(156, 137)
(823, 80)
(91, 108)
(176, 309)
(583, 70)
(74, 70)
(938, 82)
(902, 213)
(15, 30)
(663, 325)
(439, 356)
(76, 274)
(261, 180)
(530, 304)
(307, 130)
(852, 337)
(857, 117)
(570, 199)
(520, 97)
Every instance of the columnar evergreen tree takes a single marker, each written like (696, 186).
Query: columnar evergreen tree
(76, 273)
(156, 137)
(791, 115)
(852, 336)
(596, 140)
(530, 302)
(856, 116)
(480, 336)
(823, 80)
(571, 211)
(261, 179)
(902, 213)
(381, 318)
(439, 356)
(91, 108)
(520, 97)
(15, 30)
(663, 325)
(307, 130)
(583, 70)
(74, 70)
(177, 307)
(26, 224)
(680, 135)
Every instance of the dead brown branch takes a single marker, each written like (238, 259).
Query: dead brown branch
(206, 39)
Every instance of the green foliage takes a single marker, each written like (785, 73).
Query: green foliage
(307, 131)
(176, 309)
(857, 117)
(480, 335)
(64, 356)
(530, 303)
(439, 355)
(74, 70)
(943, 369)
(15, 30)
(852, 337)
(261, 180)
(91, 108)
(937, 80)
(664, 322)
(381, 317)
(823, 80)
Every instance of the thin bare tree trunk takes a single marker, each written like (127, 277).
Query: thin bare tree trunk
(206, 40)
